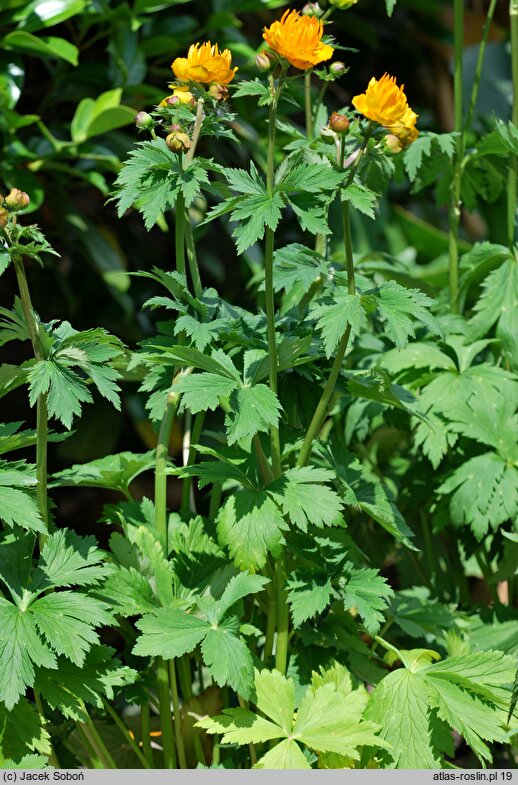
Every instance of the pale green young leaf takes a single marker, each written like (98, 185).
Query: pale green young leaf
(305, 499)
(307, 597)
(361, 198)
(253, 409)
(285, 755)
(202, 391)
(27, 762)
(333, 319)
(416, 355)
(253, 214)
(390, 5)
(65, 390)
(330, 721)
(250, 525)
(168, 633)
(307, 177)
(228, 658)
(366, 590)
(202, 334)
(246, 183)
(18, 507)
(241, 726)
(400, 704)
(276, 698)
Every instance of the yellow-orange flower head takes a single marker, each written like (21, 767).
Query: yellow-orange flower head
(204, 64)
(298, 39)
(386, 103)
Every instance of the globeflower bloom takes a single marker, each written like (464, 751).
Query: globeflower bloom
(298, 39)
(182, 94)
(204, 64)
(386, 103)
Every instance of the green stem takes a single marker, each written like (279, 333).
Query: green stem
(192, 258)
(215, 500)
(283, 615)
(96, 762)
(166, 721)
(162, 452)
(185, 678)
(455, 198)
(191, 458)
(513, 169)
(478, 68)
(307, 103)
(323, 404)
(271, 620)
(179, 235)
(253, 754)
(485, 569)
(264, 466)
(126, 734)
(41, 405)
(177, 716)
(96, 742)
(145, 724)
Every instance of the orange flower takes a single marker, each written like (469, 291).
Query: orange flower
(204, 64)
(386, 103)
(299, 40)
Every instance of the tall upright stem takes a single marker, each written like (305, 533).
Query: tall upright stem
(513, 169)
(455, 197)
(179, 235)
(268, 275)
(307, 104)
(41, 405)
(323, 404)
(478, 67)
(166, 720)
(177, 717)
(162, 452)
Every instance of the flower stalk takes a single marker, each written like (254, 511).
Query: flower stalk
(455, 195)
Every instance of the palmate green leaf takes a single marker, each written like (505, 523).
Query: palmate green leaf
(413, 705)
(497, 308)
(305, 499)
(20, 650)
(485, 493)
(329, 719)
(399, 308)
(128, 592)
(250, 525)
(416, 355)
(228, 658)
(489, 420)
(35, 626)
(296, 264)
(307, 597)
(11, 438)
(334, 317)
(254, 87)
(202, 334)
(17, 496)
(390, 5)
(64, 388)
(253, 214)
(67, 619)
(366, 590)
(169, 632)
(424, 147)
(69, 687)
(252, 409)
(22, 731)
(361, 198)
(13, 326)
(203, 391)
(5, 259)
(67, 560)
(371, 497)
(239, 586)
(113, 471)
(307, 177)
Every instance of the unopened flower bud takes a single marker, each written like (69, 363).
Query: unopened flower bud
(218, 91)
(338, 68)
(144, 120)
(263, 61)
(343, 4)
(312, 9)
(339, 123)
(4, 217)
(16, 199)
(392, 144)
(178, 141)
(172, 100)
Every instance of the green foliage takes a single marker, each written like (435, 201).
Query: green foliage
(329, 719)
(423, 698)
(37, 626)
